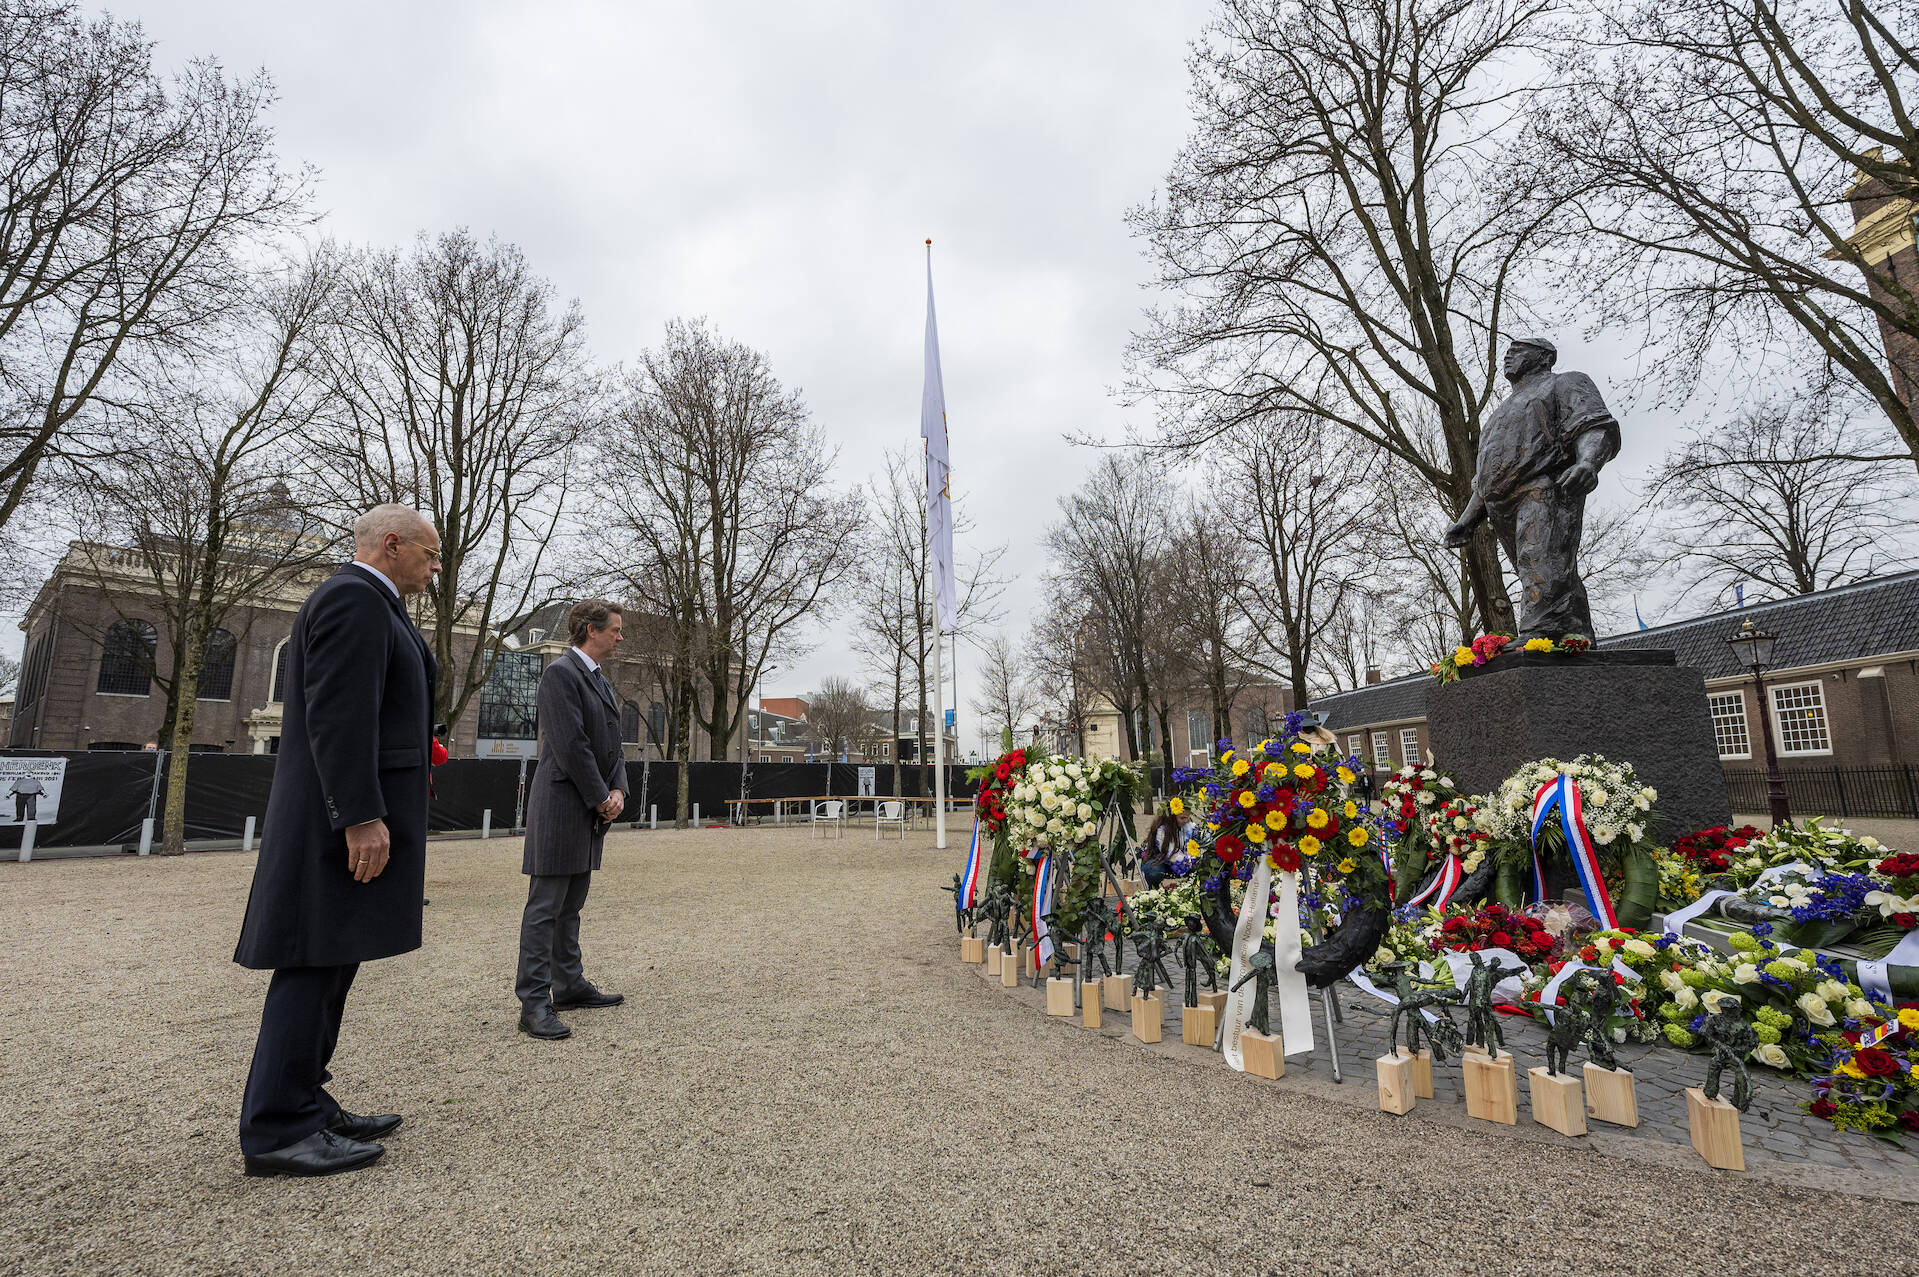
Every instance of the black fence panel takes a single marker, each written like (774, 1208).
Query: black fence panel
(1891, 790)
(103, 799)
(465, 789)
(223, 790)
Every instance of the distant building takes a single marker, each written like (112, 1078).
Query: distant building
(1256, 713)
(1844, 692)
(1882, 233)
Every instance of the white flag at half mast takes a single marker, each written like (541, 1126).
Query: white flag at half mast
(939, 483)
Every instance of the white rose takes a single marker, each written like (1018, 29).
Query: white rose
(1830, 990)
(1747, 973)
(1772, 1055)
(1055, 826)
(1598, 797)
(1635, 832)
(1858, 1008)
(1672, 980)
(1037, 818)
(1639, 948)
(1041, 840)
(1641, 803)
(1684, 997)
(1650, 794)
(1869, 842)
(1813, 1007)
(1085, 812)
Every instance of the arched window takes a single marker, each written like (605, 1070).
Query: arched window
(630, 723)
(126, 658)
(656, 723)
(216, 668)
(278, 691)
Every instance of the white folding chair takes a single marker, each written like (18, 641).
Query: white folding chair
(828, 813)
(893, 813)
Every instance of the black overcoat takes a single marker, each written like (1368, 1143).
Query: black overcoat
(581, 762)
(355, 746)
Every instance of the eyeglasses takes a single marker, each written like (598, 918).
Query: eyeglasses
(432, 551)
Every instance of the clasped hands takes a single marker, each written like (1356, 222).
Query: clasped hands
(610, 809)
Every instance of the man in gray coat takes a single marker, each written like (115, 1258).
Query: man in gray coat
(578, 790)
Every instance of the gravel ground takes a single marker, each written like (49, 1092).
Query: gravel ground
(803, 1079)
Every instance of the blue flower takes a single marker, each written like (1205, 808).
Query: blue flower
(1762, 928)
(1211, 884)
(1243, 872)
(1294, 721)
(1223, 744)
(1665, 942)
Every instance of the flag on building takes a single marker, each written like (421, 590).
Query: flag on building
(939, 485)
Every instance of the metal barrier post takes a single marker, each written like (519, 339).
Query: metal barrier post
(696, 815)
(486, 823)
(27, 832)
(246, 839)
(146, 836)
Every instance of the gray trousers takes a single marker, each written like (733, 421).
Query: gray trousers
(550, 938)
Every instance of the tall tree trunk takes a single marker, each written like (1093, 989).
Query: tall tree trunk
(186, 662)
(899, 690)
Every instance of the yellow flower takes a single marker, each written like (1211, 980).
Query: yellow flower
(1269, 770)
(1850, 1069)
(1213, 825)
(1246, 798)
(1346, 866)
(1909, 1018)
(1463, 656)
(1275, 821)
(1317, 818)
(1351, 809)
(1192, 847)
(1301, 747)
(1226, 757)
(1175, 806)
(1357, 835)
(1309, 845)
(1346, 776)
(1241, 767)
(1539, 645)
(1255, 833)
(1303, 770)
(1265, 744)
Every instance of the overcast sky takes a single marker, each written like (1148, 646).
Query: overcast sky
(776, 167)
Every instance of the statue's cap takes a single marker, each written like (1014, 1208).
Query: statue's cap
(1543, 343)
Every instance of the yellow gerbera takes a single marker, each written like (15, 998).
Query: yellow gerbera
(1241, 767)
(1346, 776)
(1246, 798)
(1850, 1070)
(1357, 835)
(1192, 847)
(1175, 806)
(1346, 866)
(1273, 769)
(1226, 757)
(1317, 818)
(1351, 809)
(1212, 824)
(1303, 770)
(1539, 645)
(1275, 821)
(1301, 747)
(1909, 1018)
(1309, 845)
(1463, 656)
(1255, 833)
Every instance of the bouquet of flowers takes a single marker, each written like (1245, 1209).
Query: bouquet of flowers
(1618, 807)
(996, 782)
(1487, 646)
(1680, 882)
(1412, 799)
(1466, 930)
(1812, 843)
(1873, 1089)
(1711, 850)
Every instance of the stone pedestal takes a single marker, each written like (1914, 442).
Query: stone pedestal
(1715, 1131)
(1396, 1082)
(1029, 959)
(1610, 1096)
(1263, 1054)
(1149, 1017)
(1629, 704)
(1492, 1087)
(1558, 1101)
(1197, 1025)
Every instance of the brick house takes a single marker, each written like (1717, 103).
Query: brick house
(1882, 233)
(1255, 713)
(1843, 692)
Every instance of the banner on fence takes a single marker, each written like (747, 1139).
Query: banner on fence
(30, 789)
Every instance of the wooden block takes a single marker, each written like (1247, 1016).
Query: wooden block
(1089, 1006)
(1395, 1082)
(1423, 1074)
(1715, 1130)
(1118, 991)
(972, 949)
(994, 956)
(1059, 997)
(1197, 1025)
(1558, 1100)
(1492, 1088)
(1009, 970)
(1610, 1096)
(1217, 1001)
(1029, 962)
(1149, 1017)
(1263, 1054)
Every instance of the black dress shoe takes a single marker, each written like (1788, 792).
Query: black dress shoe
(588, 998)
(321, 1153)
(544, 1025)
(355, 1127)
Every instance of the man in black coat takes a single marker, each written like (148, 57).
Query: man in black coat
(578, 790)
(343, 855)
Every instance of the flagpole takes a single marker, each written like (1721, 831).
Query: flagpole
(939, 714)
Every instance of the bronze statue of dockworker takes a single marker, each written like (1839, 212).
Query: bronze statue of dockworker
(1540, 450)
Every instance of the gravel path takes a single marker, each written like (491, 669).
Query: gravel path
(803, 1080)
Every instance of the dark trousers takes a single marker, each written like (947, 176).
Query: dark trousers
(550, 938)
(286, 1098)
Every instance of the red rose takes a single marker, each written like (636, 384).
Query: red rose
(1906, 920)
(1875, 1061)
(1909, 1120)
(1822, 1108)
(1501, 940)
(1588, 954)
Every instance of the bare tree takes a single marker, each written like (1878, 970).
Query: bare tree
(461, 387)
(1713, 151)
(1062, 656)
(1763, 502)
(9, 675)
(1208, 571)
(1349, 646)
(838, 712)
(1006, 696)
(195, 518)
(1336, 238)
(128, 202)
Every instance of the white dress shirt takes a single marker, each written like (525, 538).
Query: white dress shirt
(385, 580)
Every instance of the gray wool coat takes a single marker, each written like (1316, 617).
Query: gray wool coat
(581, 762)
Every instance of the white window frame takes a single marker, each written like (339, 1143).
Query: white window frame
(1352, 744)
(1409, 746)
(1738, 697)
(1779, 719)
(1382, 750)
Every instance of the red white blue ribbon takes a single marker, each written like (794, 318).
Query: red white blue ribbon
(1562, 793)
(1042, 905)
(1443, 885)
(970, 880)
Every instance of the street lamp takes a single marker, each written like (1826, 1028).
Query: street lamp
(1753, 649)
